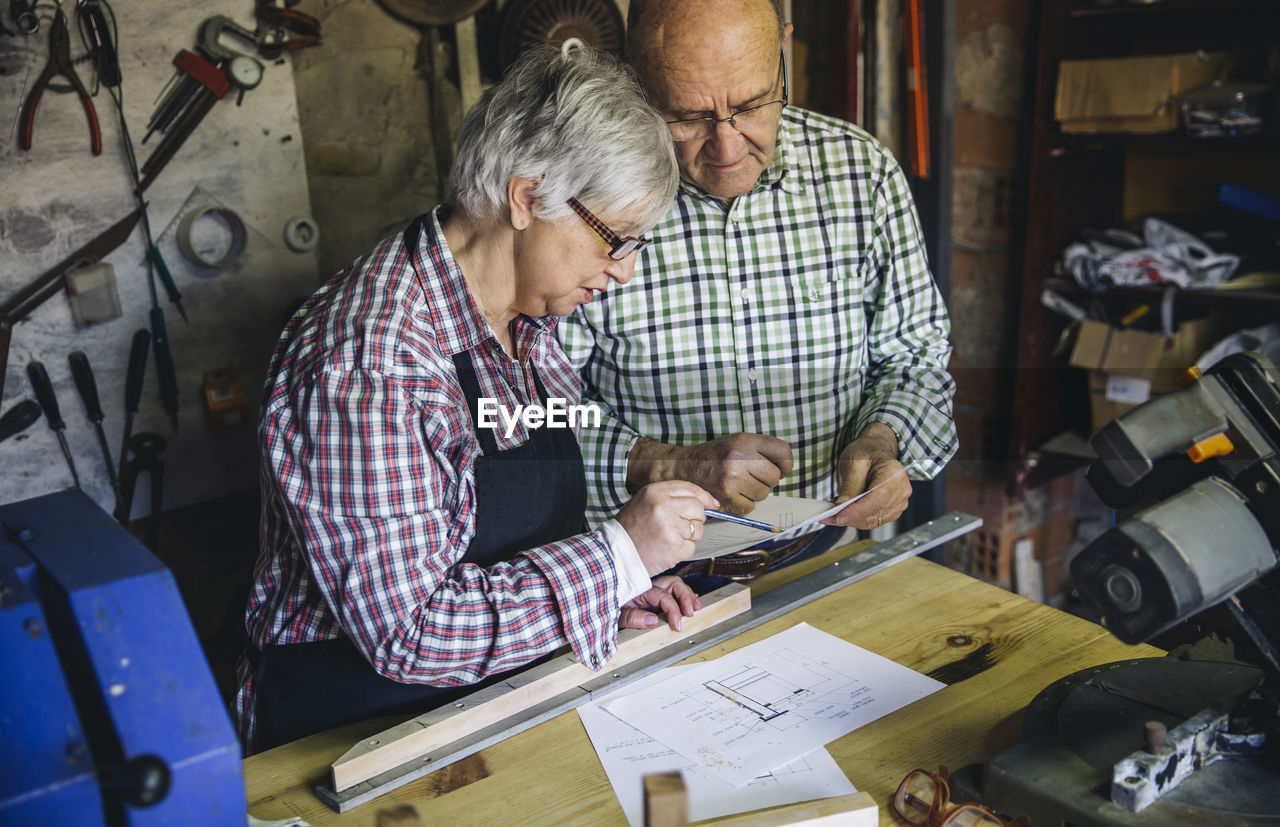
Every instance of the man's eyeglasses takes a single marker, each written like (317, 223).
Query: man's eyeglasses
(924, 797)
(743, 120)
(619, 246)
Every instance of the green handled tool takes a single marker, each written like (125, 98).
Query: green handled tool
(166, 278)
(165, 374)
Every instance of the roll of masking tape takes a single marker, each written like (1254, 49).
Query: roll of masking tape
(212, 237)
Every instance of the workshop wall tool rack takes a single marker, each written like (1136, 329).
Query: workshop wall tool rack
(58, 196)
(1098, 181)
(384, 762)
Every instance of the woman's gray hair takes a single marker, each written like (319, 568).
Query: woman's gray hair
(575, 120)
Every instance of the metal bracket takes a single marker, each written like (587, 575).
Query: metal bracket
(766, 607)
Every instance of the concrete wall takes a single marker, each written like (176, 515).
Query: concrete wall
(364, 106)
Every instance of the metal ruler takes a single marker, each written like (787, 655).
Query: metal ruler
(764, 608)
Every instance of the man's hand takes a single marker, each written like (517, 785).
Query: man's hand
(664, 520)
(868, 461)
(669, 596)
(738, 470)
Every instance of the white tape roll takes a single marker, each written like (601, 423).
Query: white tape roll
(213, 248)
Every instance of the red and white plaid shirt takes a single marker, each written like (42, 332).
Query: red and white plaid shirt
(367, 475)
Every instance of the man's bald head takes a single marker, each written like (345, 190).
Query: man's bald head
(657, 30)
(707, 60)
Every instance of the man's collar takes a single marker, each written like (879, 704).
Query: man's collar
(783, 171)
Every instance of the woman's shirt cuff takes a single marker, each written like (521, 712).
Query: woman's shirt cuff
(633, 577)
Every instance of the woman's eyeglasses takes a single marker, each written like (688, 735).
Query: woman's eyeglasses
(924, 798)
(619, 246)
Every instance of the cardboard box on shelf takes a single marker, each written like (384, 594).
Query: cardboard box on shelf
(1130, 94)
(1127, 367)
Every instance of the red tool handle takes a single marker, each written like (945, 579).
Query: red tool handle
(95, 134)
(208, 75)
(29, 122)
(29, 119)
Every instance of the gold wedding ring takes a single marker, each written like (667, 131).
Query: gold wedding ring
(691, 531)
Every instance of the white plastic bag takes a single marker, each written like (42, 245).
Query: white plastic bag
(1164, 255)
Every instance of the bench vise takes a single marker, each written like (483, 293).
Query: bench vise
(109, 713)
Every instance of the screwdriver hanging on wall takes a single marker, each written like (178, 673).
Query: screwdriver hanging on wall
(100, 39)
(88, 390)
(134, 374)
(44, 395)
(166, 278)
(165, 374)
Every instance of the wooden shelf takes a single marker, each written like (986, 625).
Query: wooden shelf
(1078, 181)
(1087, 9)
(1261, 142)
(1258, 300)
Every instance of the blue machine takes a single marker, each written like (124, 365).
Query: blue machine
(108, 711)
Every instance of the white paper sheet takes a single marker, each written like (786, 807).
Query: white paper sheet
(755, 709)
(627, 755)
(792, 514)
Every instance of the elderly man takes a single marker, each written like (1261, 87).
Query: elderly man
(783, 333)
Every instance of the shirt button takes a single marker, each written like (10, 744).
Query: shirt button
(746, 294)
(751, 374)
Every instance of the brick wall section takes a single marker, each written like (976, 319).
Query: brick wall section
(1042, 515)
(993, 40)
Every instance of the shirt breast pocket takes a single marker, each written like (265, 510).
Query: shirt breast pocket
(827, 301)
(820, 285)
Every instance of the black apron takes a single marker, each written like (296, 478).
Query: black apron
(525, 497)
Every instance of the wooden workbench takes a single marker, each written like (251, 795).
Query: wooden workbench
(995, 651)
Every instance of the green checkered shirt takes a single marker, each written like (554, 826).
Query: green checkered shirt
(804, 310)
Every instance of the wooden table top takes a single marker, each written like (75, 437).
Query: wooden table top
(994, 649)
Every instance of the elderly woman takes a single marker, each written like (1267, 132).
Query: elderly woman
(420, 532)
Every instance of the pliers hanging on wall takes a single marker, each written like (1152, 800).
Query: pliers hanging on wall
(59, 64)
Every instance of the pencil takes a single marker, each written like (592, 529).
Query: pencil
(734, 518)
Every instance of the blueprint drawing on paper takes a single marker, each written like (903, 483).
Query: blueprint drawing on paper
(627, 755)
(756, 709)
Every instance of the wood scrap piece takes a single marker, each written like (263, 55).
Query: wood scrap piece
(418, 736)
(666, 802)
(852, 810)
